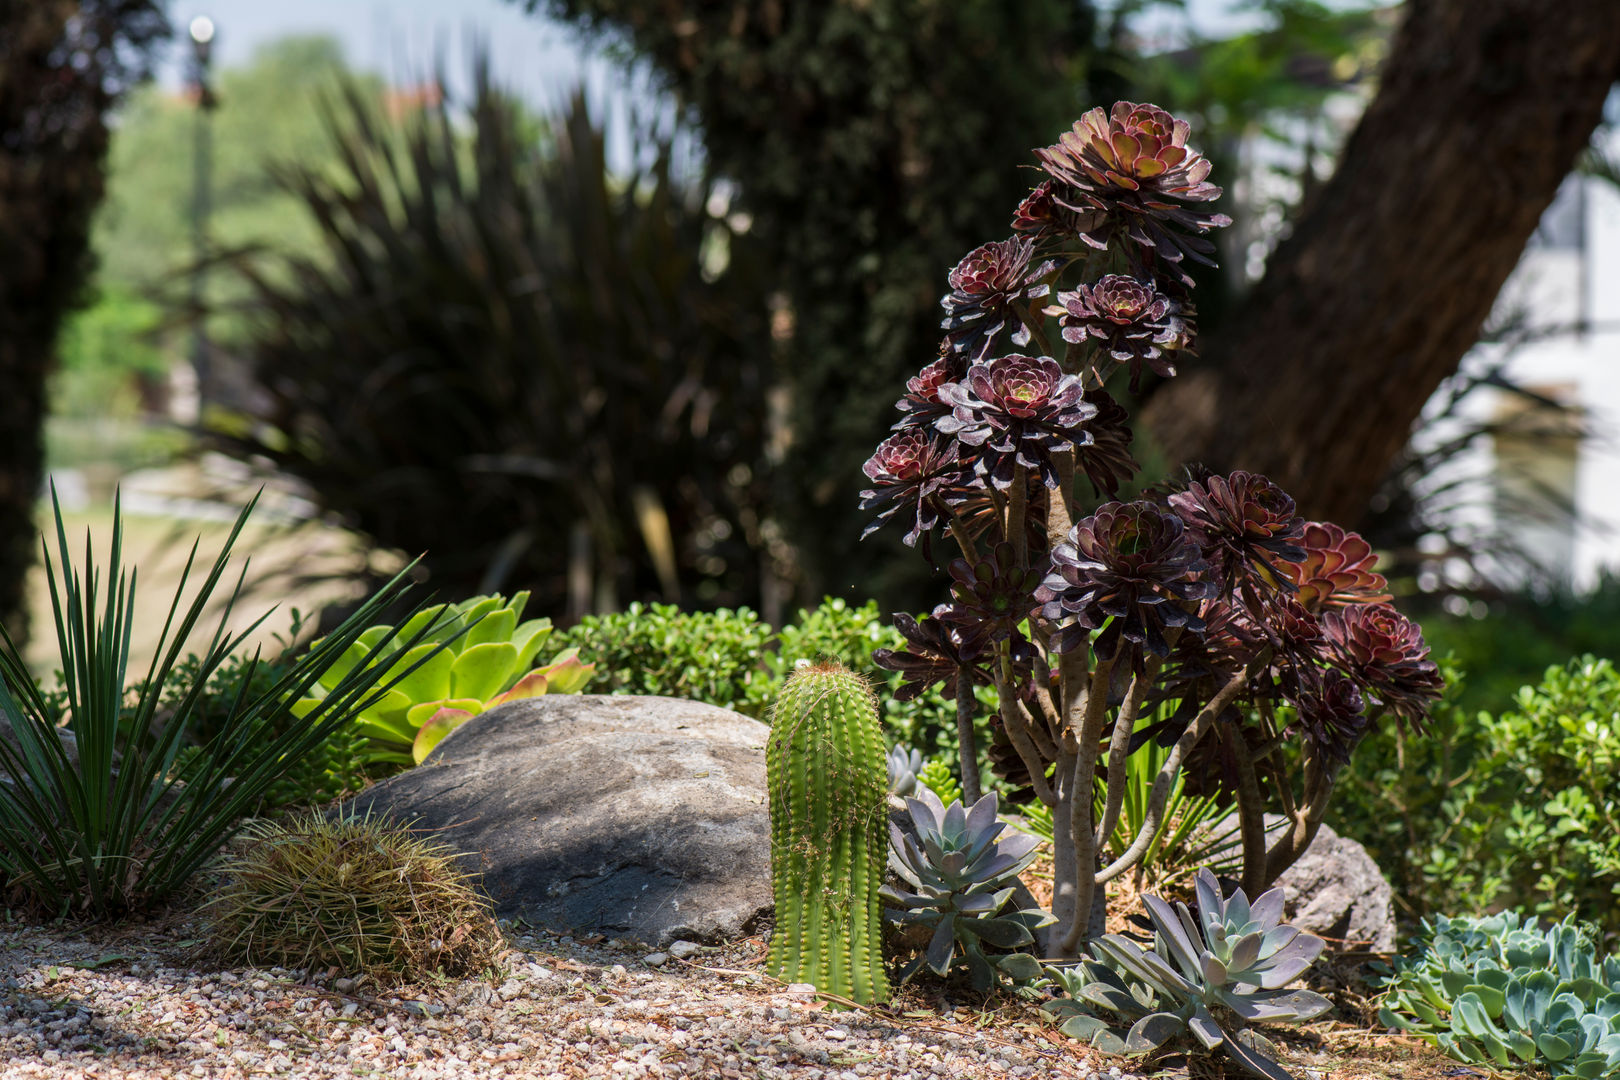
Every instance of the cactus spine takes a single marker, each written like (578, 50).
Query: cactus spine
(828, 785)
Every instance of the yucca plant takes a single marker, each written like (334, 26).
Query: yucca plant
(516, 361)
(123, 823)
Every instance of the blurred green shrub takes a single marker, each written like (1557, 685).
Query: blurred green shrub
(1518, 809)
(731, 659)
(1521, 637)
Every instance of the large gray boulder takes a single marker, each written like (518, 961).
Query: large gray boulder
(1334, 889)
(636, 816)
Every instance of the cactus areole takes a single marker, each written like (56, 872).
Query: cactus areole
(828, 790)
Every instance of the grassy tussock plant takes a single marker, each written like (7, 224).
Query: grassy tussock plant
(100, 813)
(363, 895)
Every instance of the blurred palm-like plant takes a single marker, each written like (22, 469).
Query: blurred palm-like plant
(538, 373)
(100, 811)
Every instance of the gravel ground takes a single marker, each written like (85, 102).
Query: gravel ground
(130, 1002)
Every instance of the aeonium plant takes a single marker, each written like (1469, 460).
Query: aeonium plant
(1264, 643)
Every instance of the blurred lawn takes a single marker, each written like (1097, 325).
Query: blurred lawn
(157, 547)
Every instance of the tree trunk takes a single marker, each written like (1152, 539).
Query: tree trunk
(62, 65)
(1395, 263)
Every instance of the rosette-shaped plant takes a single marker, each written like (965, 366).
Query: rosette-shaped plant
(1128, 570)
(1134, 162)
(935, 653)
(1232, 962)
(990, 597)
(1243, 523)
(1384, 652)
(1336, 570)
(473, 656)
(1042, 217)
(904, 764)
(961, 875)
(912, 474)
(1134, 323)
(1020, 410)
(921, 406)
(985, 287)
(1331, 711)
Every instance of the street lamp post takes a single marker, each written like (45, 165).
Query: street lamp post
(202, 39)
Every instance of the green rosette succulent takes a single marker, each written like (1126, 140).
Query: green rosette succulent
(485, 657)
(1502, 992)
(958, 877)
(1205, 976)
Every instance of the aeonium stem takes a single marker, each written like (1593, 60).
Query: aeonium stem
(967, 745)
(1167, 776)
(1119, 744)
(1080, 825)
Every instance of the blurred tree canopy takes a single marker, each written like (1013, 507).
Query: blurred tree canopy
(874, 144)
(64, 64)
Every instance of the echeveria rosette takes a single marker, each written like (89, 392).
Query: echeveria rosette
(1244, 524)
(1018, 410)
(1133, 163)
(1336, 570)
(986, 287)
(1129, 566)
(910, 472)
(934, 654)
(1132, 322)
(1384, 652)
(990, 597)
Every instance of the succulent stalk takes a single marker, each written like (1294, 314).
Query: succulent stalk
(828, 781)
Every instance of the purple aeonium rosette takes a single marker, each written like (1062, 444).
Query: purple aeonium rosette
(1018, 410)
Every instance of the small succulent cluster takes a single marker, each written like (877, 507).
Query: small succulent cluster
(958, 876)
(457, 660)
(1215, 607)
(1233, 959)
(1502, 992)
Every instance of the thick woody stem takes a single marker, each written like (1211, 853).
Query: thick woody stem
(1013, 720)
(1017, 510)
(1303, 823)
(1119, 746)
(1081, 826)
(1043, 693)
(967, 746)
(1167, 776)
(958, 529)
(1251, 809)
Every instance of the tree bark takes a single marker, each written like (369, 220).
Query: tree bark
(1394, 265)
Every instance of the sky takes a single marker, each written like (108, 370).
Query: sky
(540, 59)
(402, 39)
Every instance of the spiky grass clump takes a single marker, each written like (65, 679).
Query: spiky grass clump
(360, 894)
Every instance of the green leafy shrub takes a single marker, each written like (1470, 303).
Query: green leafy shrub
(1232, 962)
(714, 657)
(100, 816)
(362, 895)
(464, 658)
(1501, 992)
(1518, 809)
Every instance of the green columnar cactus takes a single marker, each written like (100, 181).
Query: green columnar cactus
(828, 784)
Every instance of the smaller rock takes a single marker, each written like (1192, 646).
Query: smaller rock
(682, 950)
(801, 988)
(836, 1034)
(655, 959)
(343, 986)
(618, 969)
